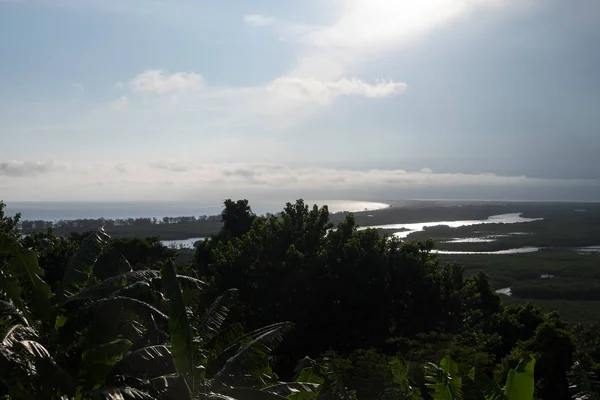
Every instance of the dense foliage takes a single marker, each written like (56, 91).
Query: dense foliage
(85, 316)
(347, 289)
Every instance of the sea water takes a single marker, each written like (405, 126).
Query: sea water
(52, 211)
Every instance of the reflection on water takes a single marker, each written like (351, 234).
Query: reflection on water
(53, 211)
(484, 239)
(182, 243)
(508, 292)
(419, 226)
(588, 249)
(471, 240)
(520, 250)
(505, 291)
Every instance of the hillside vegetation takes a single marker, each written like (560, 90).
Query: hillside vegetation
(272, 307)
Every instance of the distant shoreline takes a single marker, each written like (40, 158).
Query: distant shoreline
(52, 211)
(397, 212)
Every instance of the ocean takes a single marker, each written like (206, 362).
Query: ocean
(54, 210)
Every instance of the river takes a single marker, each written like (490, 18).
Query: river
(520, 250)
(182, 243)
(514, 218)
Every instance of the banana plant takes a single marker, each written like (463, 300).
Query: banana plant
(520, 382)
(67, 345)
(246, 373)
(28, 323)
(401, 387)
(443, 380)
(584, 384)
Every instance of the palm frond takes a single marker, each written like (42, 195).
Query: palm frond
(118, 393)
(223, 345)
(443, 380)
(295, 390)
(111, 312)
(141, 290)
(147, 362)
(583, 384)
(192, 283)
(9, 310)
(487, 387)
(30, 357)
(250, 394)
(15, 334)
(172, 386)
(215, 315)
(119, 305)
(113, 284)
(11, 288)
(268, 328)
(35, 349)
(24, 263)
(81, 266)
(231, 337)
(213, 396)
(253, 353)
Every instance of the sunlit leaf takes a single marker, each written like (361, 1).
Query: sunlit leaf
(520, 382)
(147, 362)
(119, 393)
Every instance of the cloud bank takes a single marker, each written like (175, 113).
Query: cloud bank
(169, 180)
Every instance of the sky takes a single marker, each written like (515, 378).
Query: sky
(350, 99)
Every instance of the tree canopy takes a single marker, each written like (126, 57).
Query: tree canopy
(278, 306)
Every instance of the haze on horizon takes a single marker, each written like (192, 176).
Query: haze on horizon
(381, 99)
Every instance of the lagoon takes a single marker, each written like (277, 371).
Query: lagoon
(182, 243)
(520, 250)
(407, 229)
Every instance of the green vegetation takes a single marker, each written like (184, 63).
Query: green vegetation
(274, 307)
(167, 228)
(570, 285)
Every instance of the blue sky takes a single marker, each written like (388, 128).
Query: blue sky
(191, 99)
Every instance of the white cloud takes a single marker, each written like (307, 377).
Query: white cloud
(119, 104)
(324, 92)
(258, 20)
(376, 25)
(77, 86)
(281, 103)
(157, 81)
(328, 66)
(364, 29)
